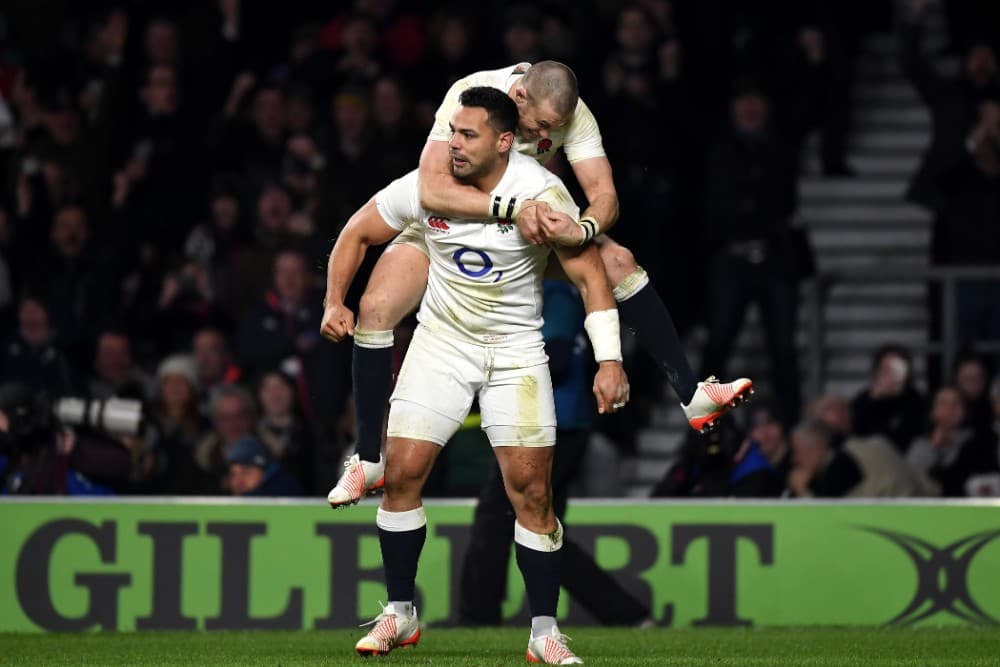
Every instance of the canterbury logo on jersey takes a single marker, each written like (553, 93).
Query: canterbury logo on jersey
(438, 223)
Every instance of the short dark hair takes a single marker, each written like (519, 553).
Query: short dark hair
(501, 109)
(555, 83)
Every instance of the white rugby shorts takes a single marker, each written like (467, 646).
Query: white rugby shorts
(441, 375)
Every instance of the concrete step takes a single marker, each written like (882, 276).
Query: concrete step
(871, 241)
(848, 190)
(844, 262)
(914, 292)
(659, 442)
(890, 140)
(908, 117)
(865, 214)
(874, 94)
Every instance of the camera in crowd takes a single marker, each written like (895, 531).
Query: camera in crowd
(33, 419)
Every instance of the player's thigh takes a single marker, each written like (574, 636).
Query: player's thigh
(619, 262)
(397, 282)
(436, 384)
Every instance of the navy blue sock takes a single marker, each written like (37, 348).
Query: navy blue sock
(372, 379)
(400, 555)
(540, 570)
(646, 316)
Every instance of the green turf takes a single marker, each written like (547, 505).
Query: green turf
(598, 646)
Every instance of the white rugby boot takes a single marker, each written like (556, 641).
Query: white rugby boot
(713, 399)
(392, 630)
(359, 478)
(551, 650)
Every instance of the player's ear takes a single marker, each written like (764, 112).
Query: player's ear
(520, 94)
(505, 142)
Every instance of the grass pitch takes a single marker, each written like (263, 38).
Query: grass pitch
(815, 647)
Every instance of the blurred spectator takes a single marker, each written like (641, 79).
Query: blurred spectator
(32, 359)
(77, 291)
(252, 144)
(281, 332)
(250, 271)
(356, 61)
(216, 244)
(177, 427)
(972, 377)
(281, 425)
(751, 196)
(522, 35)
(214, 360)
(453, 52)
(252, 472)
(399, 33)
(233, 415)
(348, 179)
(869, 469)
(158, 185)
(953, 102)
(951, 451)
(890, 405)
(397, 140)
(114, 372)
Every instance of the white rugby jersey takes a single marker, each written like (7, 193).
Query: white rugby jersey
(485, 279)
(580, 137)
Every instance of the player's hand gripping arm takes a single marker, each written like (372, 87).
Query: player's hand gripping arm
(585, 269)
(365, 228)
(594, 176)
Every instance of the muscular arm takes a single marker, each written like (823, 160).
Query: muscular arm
(594, 176)
(584, 267)
(443, 193)
(365, 228)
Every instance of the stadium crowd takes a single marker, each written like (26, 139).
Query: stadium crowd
(172, 175)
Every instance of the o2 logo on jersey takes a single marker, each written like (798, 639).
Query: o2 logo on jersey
(544, 146)
(475, 263)
(438, 224)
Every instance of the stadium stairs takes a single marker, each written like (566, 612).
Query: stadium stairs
(853, 222)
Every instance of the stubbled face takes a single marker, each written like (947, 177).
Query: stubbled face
(474, 144)
(291, 278)
(210, 356)
(537, 120)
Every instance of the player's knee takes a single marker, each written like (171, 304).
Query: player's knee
(535, 498)
(619, 262)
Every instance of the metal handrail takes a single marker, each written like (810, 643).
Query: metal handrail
(818, 288)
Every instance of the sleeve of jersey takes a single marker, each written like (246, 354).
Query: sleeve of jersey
(558, 197)
(441, 131)
(398, 202)
(583, 137)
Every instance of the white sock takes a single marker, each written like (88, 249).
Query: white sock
(400, 608)
(543, 625)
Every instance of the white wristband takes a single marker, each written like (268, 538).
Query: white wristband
(605, 335)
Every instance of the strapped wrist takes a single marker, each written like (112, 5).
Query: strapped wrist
(590, 228)
(604, 332)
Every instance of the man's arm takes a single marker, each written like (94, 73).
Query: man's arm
(443, 193)
(365, 228)
(584, 267)
(594, 177)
